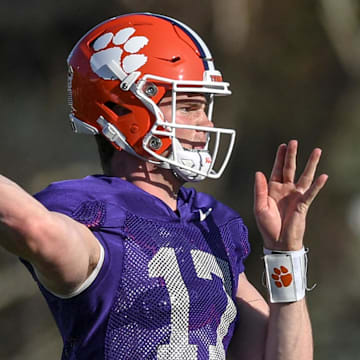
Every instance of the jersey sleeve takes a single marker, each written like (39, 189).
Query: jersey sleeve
(88, 307)
(235, 235)
(63, 197)
(82, 206)
(241, 244)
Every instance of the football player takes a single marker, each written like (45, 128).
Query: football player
(134, 265)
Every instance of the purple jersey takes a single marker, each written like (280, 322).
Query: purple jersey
(167, 285)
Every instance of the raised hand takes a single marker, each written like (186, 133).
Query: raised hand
(281, 205)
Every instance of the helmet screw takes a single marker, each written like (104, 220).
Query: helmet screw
(134, 128)
(151, 90)
(155, 143)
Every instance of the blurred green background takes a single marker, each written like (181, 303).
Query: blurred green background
(294, 69)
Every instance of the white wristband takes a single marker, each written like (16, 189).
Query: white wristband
(285, 273)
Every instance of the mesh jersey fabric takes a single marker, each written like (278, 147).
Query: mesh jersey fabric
(167, 286)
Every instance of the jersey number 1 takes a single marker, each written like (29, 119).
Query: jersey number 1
(165, 265)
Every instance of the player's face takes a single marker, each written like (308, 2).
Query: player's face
(191, 109)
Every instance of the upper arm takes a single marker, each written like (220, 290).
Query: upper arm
(248, 341)
(66, 253)
(62, 250)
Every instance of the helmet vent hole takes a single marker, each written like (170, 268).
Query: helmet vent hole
(175, 59)
(117, 109)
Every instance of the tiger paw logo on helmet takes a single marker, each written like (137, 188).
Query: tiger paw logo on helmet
(122, 48)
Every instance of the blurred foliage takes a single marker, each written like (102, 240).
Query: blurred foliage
(293, 72)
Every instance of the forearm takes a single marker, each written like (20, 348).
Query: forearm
(289, 333)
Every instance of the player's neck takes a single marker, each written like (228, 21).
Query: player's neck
(148, 177)
(164, 193)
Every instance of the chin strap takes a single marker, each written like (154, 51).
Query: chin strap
(286, 275)
(197, 159)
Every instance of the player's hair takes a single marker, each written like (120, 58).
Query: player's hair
(106, 152)
(105, 148)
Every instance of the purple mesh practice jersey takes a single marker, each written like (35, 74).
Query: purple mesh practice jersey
(167, 284)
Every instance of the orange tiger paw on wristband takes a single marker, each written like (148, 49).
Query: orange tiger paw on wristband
(282, 277)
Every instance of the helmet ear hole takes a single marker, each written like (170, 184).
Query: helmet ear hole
(117, 109)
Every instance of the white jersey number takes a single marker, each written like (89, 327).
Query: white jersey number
(165, 265)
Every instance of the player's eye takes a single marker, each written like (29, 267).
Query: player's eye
(189, 108)
(186, 108)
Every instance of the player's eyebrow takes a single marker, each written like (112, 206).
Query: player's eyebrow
(192, 101)
(200, 100)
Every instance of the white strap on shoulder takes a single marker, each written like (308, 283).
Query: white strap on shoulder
(286, 274)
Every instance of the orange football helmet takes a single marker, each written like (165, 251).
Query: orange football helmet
(132, 61)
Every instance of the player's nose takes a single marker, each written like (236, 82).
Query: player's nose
(203, 120)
